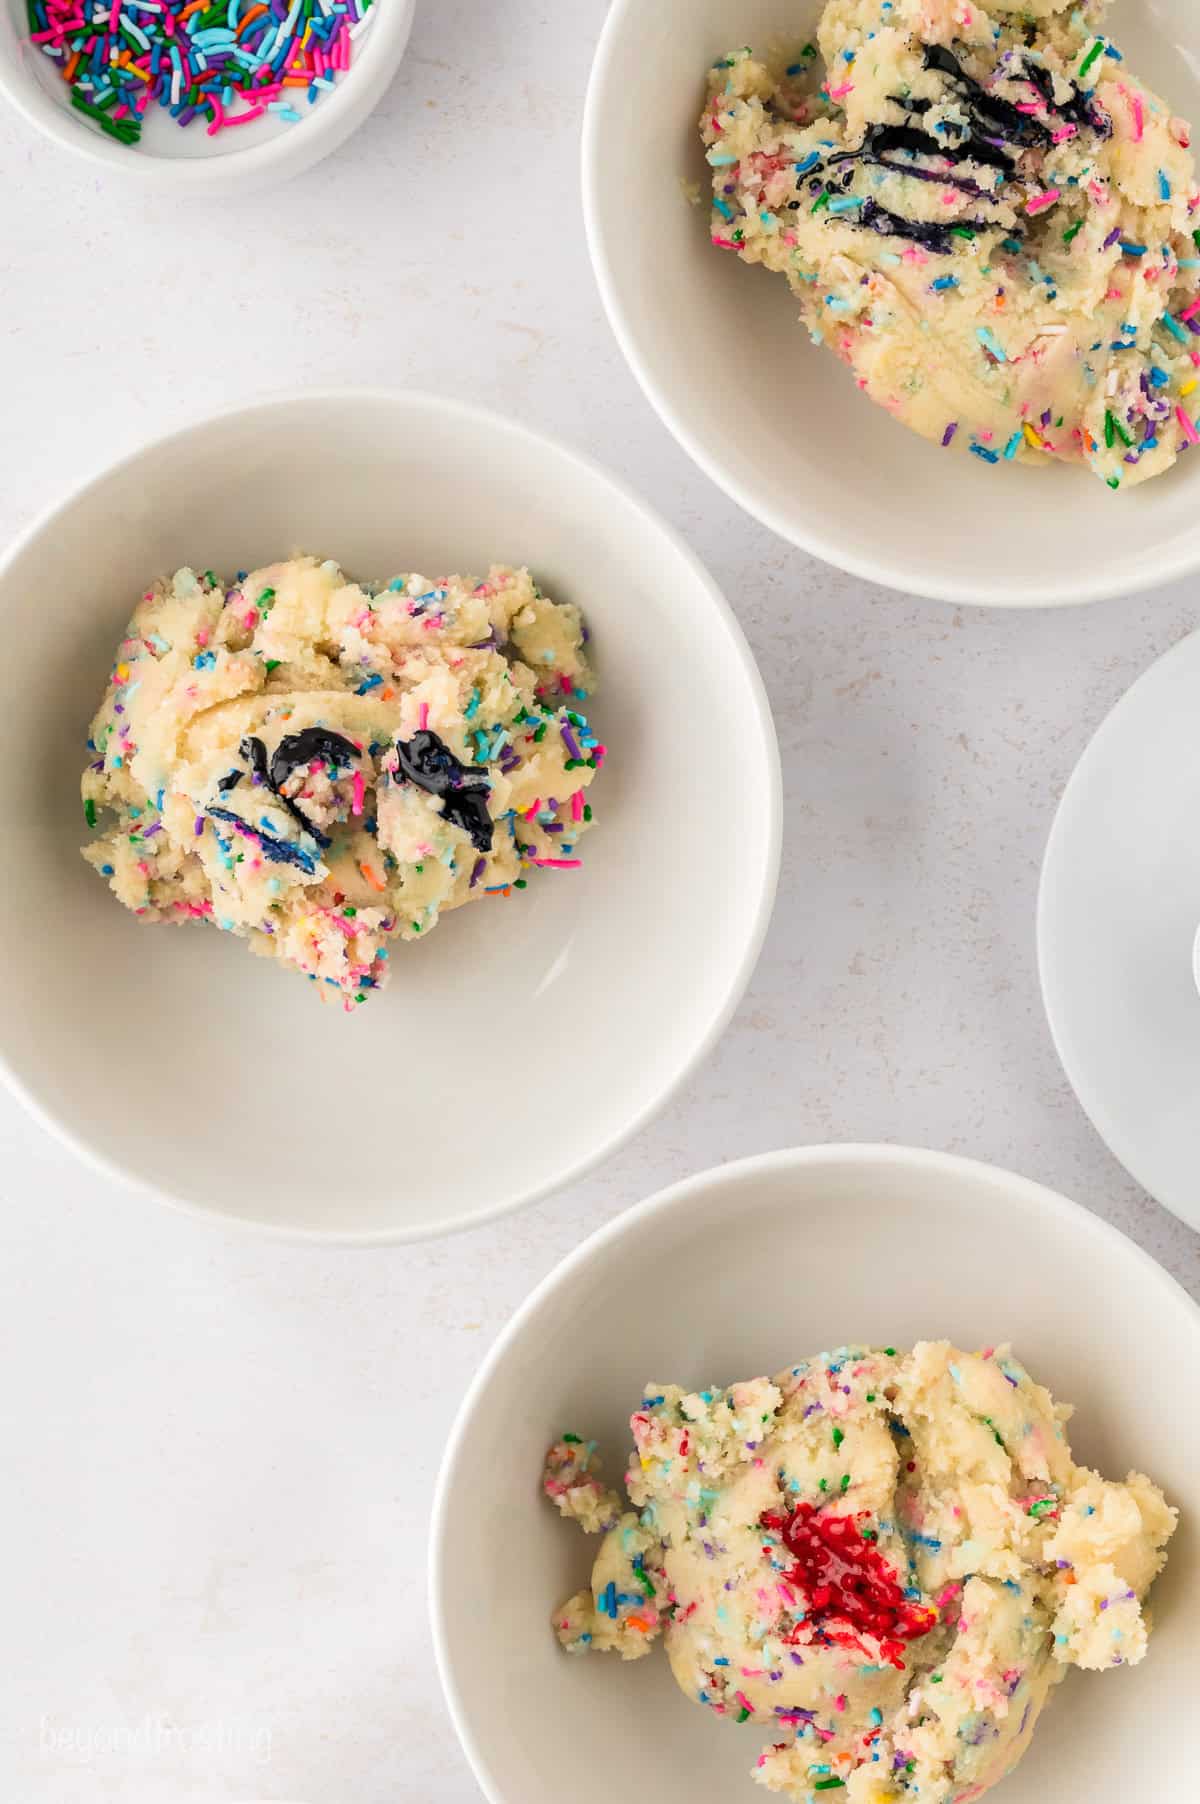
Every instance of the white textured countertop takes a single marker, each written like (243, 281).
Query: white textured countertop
(221, 1451)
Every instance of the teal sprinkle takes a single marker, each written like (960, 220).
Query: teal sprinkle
(990, 342)
(1176, 330)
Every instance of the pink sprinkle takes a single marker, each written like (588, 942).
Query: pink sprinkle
(740, 1698)
(1063, 133)
(724, 244)
(558, 864)
(256, 112)
(847, 87)
(360, 785)
(1139, 116)
(201, 635)
(218, 118)
(577, 805)
(531, 811)
(1190, 312)
(250, 620)
(1039, 202)
(423, 716)
(1185, 426)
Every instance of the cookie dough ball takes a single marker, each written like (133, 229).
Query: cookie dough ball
(884, 1561)
(322, 768)
(985, 215)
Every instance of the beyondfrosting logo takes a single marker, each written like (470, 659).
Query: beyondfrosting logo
(153, 1738)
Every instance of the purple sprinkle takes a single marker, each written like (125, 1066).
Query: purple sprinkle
(951, 429)
(477, 873)
(1112, 239)
(570, 741)
(198, 825)
(150, 831)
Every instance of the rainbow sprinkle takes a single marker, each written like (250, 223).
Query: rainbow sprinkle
(226, 61)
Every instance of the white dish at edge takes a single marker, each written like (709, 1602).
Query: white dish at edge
(1117, 913)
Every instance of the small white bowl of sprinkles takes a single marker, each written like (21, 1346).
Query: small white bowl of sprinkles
(196, 95)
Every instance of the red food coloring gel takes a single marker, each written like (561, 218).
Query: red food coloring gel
(849, 1588)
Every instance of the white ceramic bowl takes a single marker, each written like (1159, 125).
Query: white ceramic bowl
(530, 1035)
(739, 1271)
(777, 423)
(176, 160)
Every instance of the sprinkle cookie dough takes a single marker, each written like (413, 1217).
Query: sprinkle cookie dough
(884, 1561)
(321, 767)
(985, 215)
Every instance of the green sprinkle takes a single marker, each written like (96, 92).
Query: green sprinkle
(349, 912)
(822, 200)
(935, 1678)
(272, 664)
(870, 1396)
(89, 812)
(890, 1352)
(744, 1713)
(520, 883)
(828, 1784)
(1073, 231)
(587, 811)
(1114, 482)
(845, 1481)
(1095, 51)
(823, 1485)
(962, 232)
(416, 926)
(1110, 432)
(838, 1437)
(572, 1440)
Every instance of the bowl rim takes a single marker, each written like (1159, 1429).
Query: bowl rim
(968, 588)
(276, 159)
(867, 1156)
(481, 419)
